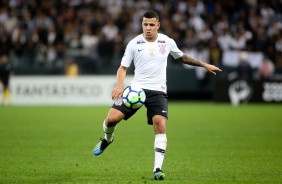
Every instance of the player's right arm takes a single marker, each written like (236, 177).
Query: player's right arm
(121, 73)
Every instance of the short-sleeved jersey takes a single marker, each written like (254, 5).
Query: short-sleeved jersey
(150, 60)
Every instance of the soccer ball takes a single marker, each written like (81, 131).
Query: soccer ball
(133, 97)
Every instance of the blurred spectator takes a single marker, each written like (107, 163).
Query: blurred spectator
(196, 7)
(224, 40)
(203, 55)
(215, 52)
(266, 70)
(266, 12)
(237, 42)
(190, 39)
(72, 37)
(89, 41)
(105, 51)
(278, 48)
(244, 69)
(11, 21)
(110, 30)
(201, 52)
(5, 72)
(205, 34)
(71, 68)
(42, 33)
(196, 22)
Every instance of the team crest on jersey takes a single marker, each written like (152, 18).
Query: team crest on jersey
(152, 52)
(118, 101)
(162, 48)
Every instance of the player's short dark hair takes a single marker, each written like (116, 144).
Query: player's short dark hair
(151, 14)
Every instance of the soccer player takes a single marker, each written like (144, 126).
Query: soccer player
(149, 52)
(5, 72)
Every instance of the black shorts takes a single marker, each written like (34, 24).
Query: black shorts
(156, 104)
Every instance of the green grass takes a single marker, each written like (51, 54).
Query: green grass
(207, 143)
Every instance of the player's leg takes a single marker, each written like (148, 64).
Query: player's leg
(159, 124)
(6, 95)
(118, 112)
(157, 107)
(113, 118)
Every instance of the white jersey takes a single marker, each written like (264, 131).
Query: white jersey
(150, 60)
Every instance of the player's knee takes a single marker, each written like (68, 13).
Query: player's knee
(114, 117)
(159, 123)
(112, 120)
(158, 119)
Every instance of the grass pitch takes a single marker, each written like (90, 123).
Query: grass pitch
(207, 143)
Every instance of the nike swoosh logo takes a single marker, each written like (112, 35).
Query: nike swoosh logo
(139, 50)
(163, 111)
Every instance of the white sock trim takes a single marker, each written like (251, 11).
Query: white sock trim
(160, 141)
(160, 147)
(109, 132)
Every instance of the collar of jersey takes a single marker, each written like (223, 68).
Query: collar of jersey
(144, 39)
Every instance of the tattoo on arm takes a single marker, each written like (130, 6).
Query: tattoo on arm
(190, 61)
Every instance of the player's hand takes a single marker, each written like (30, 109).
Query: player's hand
(212, 69)
(117, 92)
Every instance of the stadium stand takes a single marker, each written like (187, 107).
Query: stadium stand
(42, 36)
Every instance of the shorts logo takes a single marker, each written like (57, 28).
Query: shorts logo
(118, 101)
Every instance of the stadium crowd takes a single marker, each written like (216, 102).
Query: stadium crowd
(49, 34)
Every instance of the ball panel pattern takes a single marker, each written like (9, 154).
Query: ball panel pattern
(133, 97)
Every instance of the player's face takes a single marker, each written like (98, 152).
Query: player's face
(150, 28)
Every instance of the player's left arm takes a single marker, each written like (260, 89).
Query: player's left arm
(195, 62)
